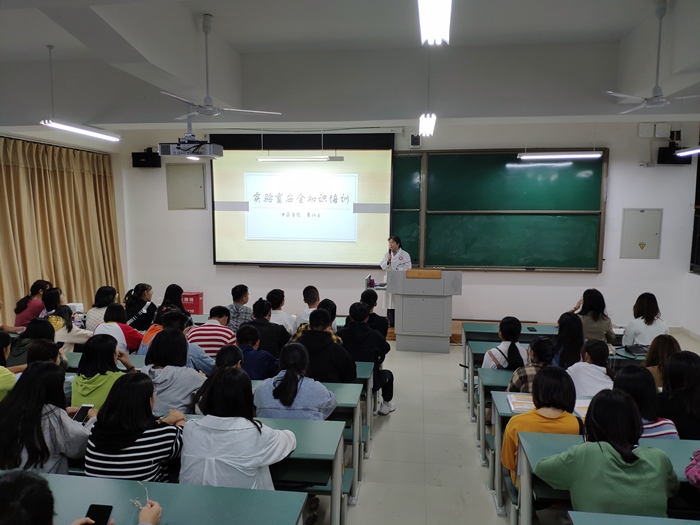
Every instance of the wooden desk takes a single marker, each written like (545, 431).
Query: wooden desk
(476, 350)
(182, 504)
(74, 360)
(348, 401)
(594, 518)
(534, 447)
(489, 379)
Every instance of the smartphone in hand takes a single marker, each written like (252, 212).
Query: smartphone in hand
(99, 513)
(81, 415)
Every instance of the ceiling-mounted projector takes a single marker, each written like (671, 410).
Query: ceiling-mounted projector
(189, 146)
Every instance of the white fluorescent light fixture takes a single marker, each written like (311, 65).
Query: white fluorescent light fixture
(687, 151)
(307, 158)
(434, 21)
(553, 155)
(426, 125)
(82, 130)
(192, 158)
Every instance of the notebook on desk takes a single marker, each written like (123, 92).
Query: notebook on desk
(637, 350)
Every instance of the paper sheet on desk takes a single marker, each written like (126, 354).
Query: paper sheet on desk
(520, 402)
(581, 408)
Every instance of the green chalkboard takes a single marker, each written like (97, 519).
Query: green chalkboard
(488, 209)
(516, 241)
(499, 181)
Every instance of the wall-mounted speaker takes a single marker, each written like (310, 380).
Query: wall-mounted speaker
(145, 159)
(415, 141)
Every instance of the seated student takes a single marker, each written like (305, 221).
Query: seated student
(680, 400)
(554, 397)
(331, 308)
(593, 373)
(97, 371)
(53, 298)
(173, 298)
(104, 296)
(608, 472)
(311, 298)
(509, 355)
(156, 327)
(365, 344)
(638, 382)
(139, 308)
(174, 381)
(213, 334)
(376, 322)
(128, 441)
(46, 350)
(272, 336)
(7, 377)
(541, 351)
(291, 395)
(257, 363)
(569, 340)
(279, 316)
(227, 447)
(240, 313)
(647, 322)
(65, 332)
(229, 355)
(36, 329)
(660, 351)
(196, 357)
(128, 339)
(328, 361)
(37, 432)
(30, 306)
(26, 499)
(596, 323)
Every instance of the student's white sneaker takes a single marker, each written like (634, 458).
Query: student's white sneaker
(386, 407)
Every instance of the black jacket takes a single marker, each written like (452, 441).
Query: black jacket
(272, 335)
(363, 343)
(378, 323)
(328, 361)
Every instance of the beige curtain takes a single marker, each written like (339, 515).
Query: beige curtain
(57, 222)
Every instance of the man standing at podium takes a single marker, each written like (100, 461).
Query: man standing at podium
(395, 259)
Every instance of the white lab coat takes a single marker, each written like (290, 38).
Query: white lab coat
(401, 261)
(230, 452)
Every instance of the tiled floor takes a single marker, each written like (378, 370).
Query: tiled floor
(424, 466)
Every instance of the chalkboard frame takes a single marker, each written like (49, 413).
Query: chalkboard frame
(424, 212)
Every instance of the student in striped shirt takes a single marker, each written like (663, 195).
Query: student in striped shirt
(639, 383)
(128, 441)
(213, 334)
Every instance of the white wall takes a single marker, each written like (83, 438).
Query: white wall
(164, 246)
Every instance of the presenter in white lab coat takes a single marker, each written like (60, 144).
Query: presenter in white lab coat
(395, 259)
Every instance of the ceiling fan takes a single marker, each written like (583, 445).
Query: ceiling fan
(657, 98)
(208, 109)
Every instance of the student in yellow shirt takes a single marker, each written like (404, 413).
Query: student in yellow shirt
(554, 397)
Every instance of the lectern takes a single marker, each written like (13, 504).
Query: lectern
(423, 303)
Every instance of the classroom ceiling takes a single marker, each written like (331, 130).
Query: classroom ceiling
(339, 60)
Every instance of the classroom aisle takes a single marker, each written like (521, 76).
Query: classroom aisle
(424, 466)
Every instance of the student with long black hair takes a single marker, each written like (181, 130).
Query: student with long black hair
(36, 329)
(638, 382)
(647, 322)
(228, 447)
(65, 332)
(128, 441)
(104, 296)
(509, 355)
(139, 308)
(593, 373)
(53, 298)
(569, 340)
(609, 472)
(128, 339)
(30, 306)
(680, 400)
(97, 371)
(173, 297)
(596, 323)
(37, 432)
(660, 351)
(290, 394)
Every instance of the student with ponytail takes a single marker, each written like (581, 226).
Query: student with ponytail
(609, 472)
(509, 355)
(30, 306)
(290, 394)
(140, 311)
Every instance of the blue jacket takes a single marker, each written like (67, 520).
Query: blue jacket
(313, 400)
(258, 364)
